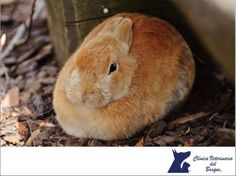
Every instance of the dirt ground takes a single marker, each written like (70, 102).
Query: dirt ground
(28, 119)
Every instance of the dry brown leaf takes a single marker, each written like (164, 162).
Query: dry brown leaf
(186, 119)
(2, 142)
(42, 74)
(189, 142)
(26, 66)
(21, 128)
(44, 135)
(29, 142)
(140, 142)
(9, 60)
(15, 114)
(43, 53)
(26, 111)
(12, 98)
(34, 138)
(14, 139)
(47, 81)
(164, 140)
(9, 113)
(51, 70)
(5, 115)
(35, 134)
(46, 124)
(25, 97)
(8, 130)
(32, 85)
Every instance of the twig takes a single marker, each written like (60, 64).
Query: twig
(6, 83)
(215, 114)
(21, 29)
(30, 130)
(225, 123)
(4, 68)
(186, 119)
(27, 37)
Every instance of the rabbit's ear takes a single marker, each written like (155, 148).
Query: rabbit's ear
(120, 28)
(123, 31)
(111, 25)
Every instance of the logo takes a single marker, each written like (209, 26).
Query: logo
(179, 165)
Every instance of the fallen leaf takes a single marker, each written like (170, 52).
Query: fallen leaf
(2, 142)
(25, 97)
(46, 124)
(186, 119)
(42, 74)
(37, 102)
(189, 142)
(51, 70)
(12, 98)
(25, 111)
(35, 138)
(140, 142)
(14, 139)
(10, 60)
(44, 135)
(15, 114)
(34, 49)
(35, 133)
(21, 129)
(17, 82)
(43, 53)
(164, 140)
(90, 142)
(5, 115)
(26, 66)
(32, 85)
(29, 142)
(8, 130)
(47, 81)
(2, 71)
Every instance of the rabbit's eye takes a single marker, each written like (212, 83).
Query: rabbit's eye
(113, 68)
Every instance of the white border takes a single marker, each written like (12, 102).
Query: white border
(105, 160)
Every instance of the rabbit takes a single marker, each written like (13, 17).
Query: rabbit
(130, 71)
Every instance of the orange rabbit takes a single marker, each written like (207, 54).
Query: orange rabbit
(130, 71)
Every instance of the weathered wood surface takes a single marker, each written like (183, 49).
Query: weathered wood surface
(70, 21)
(214, 23)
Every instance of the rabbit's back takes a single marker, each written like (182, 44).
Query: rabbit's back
(166, 67)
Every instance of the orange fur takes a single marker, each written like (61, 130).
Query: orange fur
(155, 73)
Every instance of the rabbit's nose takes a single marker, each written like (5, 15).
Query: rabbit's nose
(86, 96)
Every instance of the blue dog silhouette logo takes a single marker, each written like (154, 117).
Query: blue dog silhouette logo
(178, 165)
